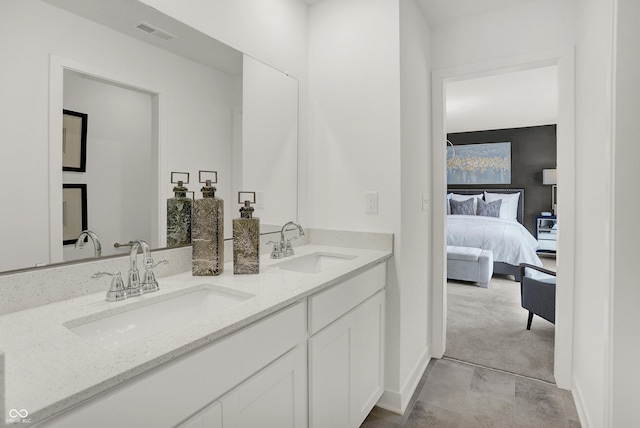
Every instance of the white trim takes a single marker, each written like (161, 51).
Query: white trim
(583, 415)
(398, 401)
(57, 65)
(564, 60)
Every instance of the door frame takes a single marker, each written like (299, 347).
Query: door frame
(564, 59)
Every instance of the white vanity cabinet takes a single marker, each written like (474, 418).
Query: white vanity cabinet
(275, 397)
(318, 362)
(346, 351)
(266, 360)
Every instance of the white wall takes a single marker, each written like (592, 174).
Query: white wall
(414, 250)
(358, 143)
(528, 27)
(198, 110)
(119, 172)
(626, 234)
(593, 156)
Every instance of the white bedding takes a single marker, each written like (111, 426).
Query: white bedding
(510, 241)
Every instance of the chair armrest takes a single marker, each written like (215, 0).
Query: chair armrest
(523, 266)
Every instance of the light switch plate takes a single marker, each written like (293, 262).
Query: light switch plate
(425, 201)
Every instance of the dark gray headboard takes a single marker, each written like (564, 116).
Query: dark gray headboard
(520, 216)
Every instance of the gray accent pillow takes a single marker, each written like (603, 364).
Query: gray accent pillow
(462, 207)
(489, 209)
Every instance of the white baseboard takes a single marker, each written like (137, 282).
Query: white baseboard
(579, 402)
(397, 401)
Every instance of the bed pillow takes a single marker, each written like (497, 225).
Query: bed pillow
(462, 207)
(489, 209)
(509, 207)
(458, 197)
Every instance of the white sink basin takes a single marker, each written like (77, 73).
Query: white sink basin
(140, 322)
(314, 262)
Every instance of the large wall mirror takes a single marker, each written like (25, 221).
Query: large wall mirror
(159, 97)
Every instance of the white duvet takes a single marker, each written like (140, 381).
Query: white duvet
(510, 241)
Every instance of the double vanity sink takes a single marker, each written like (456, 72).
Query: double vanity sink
(61, 354)
(133, 323)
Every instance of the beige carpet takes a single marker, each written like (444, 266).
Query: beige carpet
(488, 327)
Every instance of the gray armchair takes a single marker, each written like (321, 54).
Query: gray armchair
(538, 295)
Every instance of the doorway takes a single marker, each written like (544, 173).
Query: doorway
(564, 60)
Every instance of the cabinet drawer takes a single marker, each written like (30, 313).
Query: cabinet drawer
(331, 304)
(169, 394)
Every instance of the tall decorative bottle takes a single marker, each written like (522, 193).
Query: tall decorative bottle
(179, 210)
(208, 230)
(246, 237)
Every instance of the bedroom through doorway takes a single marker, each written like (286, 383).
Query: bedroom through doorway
(501, 145)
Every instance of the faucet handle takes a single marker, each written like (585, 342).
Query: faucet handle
(289, 248)
(149, 282)
(278, 249)
(161, 262)
(117, 290)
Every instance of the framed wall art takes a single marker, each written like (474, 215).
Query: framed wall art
(485, 163)
(74, 141)
(74, 212)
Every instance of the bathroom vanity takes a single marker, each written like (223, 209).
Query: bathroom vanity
(301, 344)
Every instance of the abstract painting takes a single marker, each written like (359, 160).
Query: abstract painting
(486, 163)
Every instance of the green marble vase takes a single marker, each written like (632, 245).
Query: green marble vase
(208, 234)
(246, 242)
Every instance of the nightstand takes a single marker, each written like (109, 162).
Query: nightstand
(547, 233)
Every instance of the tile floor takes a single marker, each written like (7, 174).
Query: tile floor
(454, 394)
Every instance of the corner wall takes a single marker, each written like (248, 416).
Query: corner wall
(369, 131)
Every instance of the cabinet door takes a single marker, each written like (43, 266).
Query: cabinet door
(210, 417)
(274, 397)
(346, 367)
(330, 355)
(368, 364)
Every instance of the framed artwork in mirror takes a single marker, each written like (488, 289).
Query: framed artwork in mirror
(74, 141)
(74, 212)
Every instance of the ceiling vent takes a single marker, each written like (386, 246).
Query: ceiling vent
(150, 29)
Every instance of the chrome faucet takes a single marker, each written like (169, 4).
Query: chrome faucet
(283, 248)
(149, 283)
(97, 247)
(118, 291)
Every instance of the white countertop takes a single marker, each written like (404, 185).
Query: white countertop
(48, 368)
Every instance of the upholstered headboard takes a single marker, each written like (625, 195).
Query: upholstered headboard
(520, 216)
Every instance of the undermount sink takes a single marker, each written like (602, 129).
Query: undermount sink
(116, 330)
(314, 262)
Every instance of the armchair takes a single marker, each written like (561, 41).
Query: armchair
(538, 295)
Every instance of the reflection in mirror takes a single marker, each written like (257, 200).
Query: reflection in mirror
(267, 160)
(119, 174)
(190, 88)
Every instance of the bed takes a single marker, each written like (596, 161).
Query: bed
(510, 242)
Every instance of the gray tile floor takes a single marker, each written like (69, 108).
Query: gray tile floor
(454, 394)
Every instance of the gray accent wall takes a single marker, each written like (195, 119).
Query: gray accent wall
(533, 149)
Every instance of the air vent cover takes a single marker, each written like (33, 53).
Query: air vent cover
(150, 29)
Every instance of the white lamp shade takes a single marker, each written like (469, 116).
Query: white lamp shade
(549, 176)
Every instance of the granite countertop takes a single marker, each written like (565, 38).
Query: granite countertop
(49, 369)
